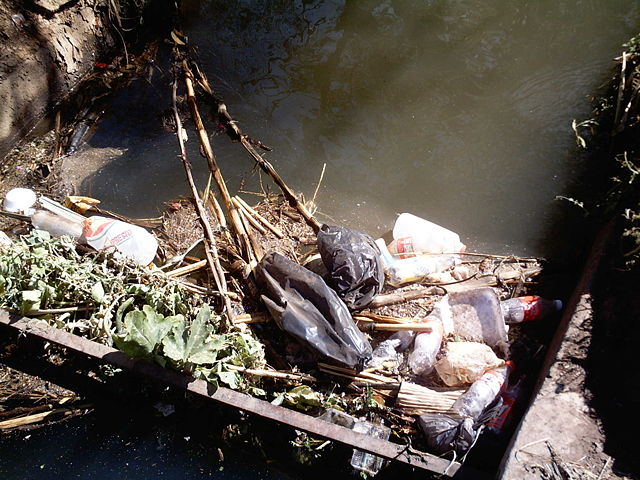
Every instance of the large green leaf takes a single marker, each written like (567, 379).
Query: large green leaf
(30, 301)
(144, 331)
(195, 346)
(174, 344)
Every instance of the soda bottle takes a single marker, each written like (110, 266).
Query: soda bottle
(526, 309)
(509, 397)
(426, 346)
(482, 392)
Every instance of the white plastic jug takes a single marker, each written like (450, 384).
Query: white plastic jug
(129, 240)
(413, 234)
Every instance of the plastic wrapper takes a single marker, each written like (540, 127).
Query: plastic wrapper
(465, 362)
(353, 261)
(445, 434)
(304, 306)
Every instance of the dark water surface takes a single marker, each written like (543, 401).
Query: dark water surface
(457, 111)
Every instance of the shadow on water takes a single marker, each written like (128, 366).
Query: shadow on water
(460, 113)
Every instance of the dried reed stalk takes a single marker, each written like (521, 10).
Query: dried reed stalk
(236, 222)
(276, 231)
(211, 250)
(416, 399)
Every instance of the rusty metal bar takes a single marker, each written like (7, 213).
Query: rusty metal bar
(235, 399)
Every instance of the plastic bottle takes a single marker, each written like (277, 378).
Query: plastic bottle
(129, 240)
(482, 392)
(368, 462)
(389, 349)
(413, 234)
(497, 424)
(526, 309)
(413, 269)
(56, 225)
(426, 346)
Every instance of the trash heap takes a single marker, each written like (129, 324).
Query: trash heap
(403, 337)
(408, 335)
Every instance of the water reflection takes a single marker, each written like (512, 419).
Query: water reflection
(457, 111)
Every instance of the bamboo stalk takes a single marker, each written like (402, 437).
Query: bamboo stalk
(401, 297)
(236, 222)
(252, 318)
(38, 417)
(256, 252)
(396, 327)
(262, 162)
(178, 272)
(372, 317)
(416, 399)
(302, 377)
(249, 216)
(211, 250)
(217, 209)
(364, 375)
(276, 231)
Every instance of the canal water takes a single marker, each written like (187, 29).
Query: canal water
(457, 111)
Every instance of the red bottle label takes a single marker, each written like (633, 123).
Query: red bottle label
(532, 307)
(404, 245)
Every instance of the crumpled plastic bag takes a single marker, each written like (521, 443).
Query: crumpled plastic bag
(353, 261)
(445, 434)
(465, 362)
(303, 305)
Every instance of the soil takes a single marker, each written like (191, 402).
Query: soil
(48, 47)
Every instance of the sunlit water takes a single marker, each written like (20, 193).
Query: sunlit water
(459, 112)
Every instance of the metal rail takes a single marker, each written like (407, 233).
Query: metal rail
(383, 448)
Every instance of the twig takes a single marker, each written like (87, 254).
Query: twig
(261, 161)
(178, 272)
(621, 89)
(211, 250)
(236, 222)
(313, 199)
(249, 216)
(395, 327)
(252, 318)
(302, 377)
(276, 231)
(401, 297)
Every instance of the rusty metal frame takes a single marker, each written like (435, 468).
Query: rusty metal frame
(383, 448)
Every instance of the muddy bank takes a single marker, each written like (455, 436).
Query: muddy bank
(48, 48)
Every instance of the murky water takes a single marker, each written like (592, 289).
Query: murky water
(456, 111)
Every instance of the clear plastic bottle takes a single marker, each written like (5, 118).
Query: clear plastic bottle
(368, 462)
(56, 225)
(482, 392)
(426, 346)
(130, 241)
(526, 309)
(416, 268)
(413, 234)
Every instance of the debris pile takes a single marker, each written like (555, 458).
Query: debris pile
(405, 336)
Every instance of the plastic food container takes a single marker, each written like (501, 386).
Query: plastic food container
(20, 200)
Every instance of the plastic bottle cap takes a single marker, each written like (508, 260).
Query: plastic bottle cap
(20, 200)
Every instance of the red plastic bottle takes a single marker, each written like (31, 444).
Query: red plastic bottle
(497, 424)
(526, 309)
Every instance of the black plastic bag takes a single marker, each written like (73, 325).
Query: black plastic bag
(353, 261)
(445, 434)
(304, 306)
